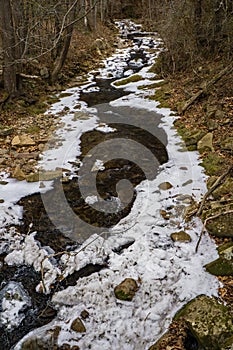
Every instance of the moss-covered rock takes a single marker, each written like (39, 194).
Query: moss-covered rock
(206, 143)
(225, 189)
(223, 266)
(126, 289)
(221, 226)
(132, 79)
(210, 322)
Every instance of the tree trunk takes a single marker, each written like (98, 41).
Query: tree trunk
(64, 44)
(8, 45)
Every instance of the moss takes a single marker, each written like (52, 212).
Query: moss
(131, 79)
(213, 164)
(120, 294)
(155, 85)
(220, 267)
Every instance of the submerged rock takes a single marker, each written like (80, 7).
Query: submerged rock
(126, 289)
(209, 321)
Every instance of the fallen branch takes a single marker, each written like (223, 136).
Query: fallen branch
(205, 223)
(27, 76)
(204, 88)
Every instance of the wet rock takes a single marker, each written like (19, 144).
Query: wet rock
(22, 140)
(126, 289)
(78, 326)
(221, 226)
(223, 266)
(19, 174)
(208, 320)
(43, 341)
(206, 143)
(180, 236)
(165, 186)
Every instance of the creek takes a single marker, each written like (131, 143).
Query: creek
(101, 220)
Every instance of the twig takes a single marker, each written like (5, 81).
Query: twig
(205, 222)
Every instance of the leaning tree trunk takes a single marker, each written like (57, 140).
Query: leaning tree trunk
(8, 45)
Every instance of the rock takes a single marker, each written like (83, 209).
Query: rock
(165, 214)
(209, 321)
(78, 326)
(206, 143)
(225, 189)
(184, 198)
(22, 140)
(18, 174)
(165, 186)
(223, 266)
(180, 236)
(84, 314)
(26, 155)
(221, 226)
(126, 289)
(44, 176)
(227, 144)
(1, 201)
(43, 341)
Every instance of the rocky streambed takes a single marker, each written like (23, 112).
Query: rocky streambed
(96, 253)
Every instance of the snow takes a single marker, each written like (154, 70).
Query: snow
(169, 273)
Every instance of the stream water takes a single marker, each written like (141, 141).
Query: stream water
(100, 220)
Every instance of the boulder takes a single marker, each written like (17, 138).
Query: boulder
(126, 289)
(209, 321)
(22, 140)
(227, 144)
(221, 226)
